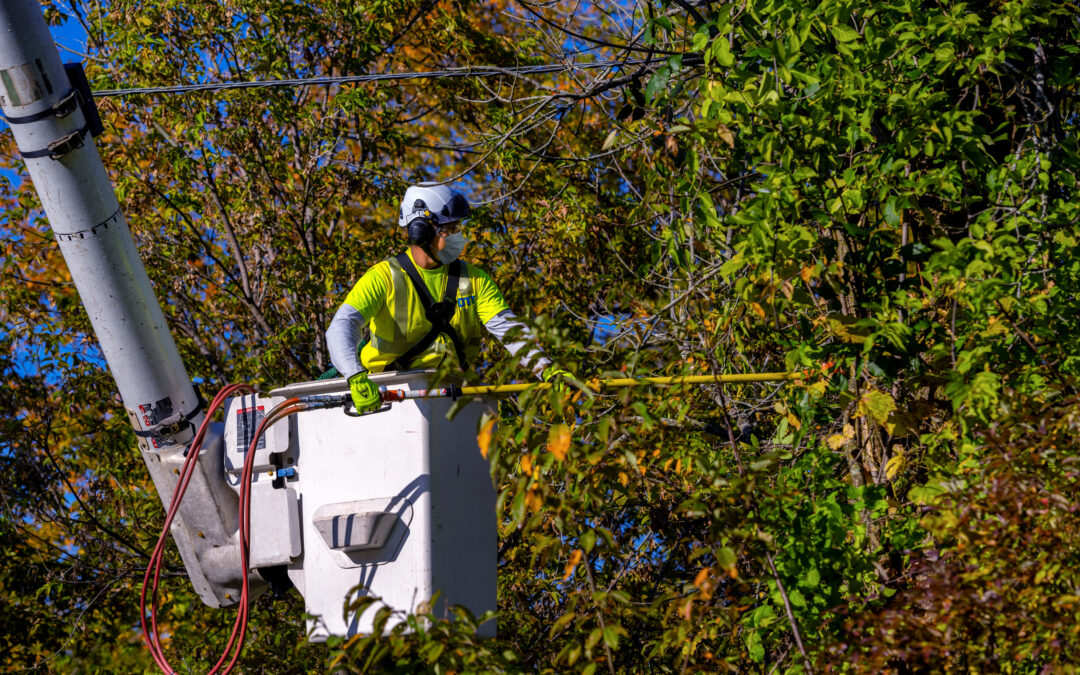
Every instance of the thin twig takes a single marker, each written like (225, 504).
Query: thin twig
(790, 614)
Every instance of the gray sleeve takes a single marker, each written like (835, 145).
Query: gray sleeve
(500, 325)
(342, 338)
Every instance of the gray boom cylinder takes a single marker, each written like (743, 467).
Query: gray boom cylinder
(91, 231)
(53, 136)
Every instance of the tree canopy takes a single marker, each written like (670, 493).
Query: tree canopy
(879, 195)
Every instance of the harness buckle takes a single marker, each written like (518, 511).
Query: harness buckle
(440, 313)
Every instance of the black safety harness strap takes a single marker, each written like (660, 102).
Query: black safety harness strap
(438, 313)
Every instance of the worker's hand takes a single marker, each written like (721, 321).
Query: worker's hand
(365, 395)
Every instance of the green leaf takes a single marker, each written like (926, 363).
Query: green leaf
(657, 84)
(611, 635)
(877, 405)
(721, 51)
(434, 652)
(755, 647)
(594, 638)
(588, 541)
(843, 33)
(726, 558)
(892, 215)
(517, 509)
(701, 38)
(796, 598)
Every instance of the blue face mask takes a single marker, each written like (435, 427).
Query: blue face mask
(455, 244)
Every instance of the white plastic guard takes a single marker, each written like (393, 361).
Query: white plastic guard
(357, 532)
(275, 526)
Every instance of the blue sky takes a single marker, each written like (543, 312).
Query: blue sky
(70, 36)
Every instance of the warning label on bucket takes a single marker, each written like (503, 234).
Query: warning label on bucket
(247, 421)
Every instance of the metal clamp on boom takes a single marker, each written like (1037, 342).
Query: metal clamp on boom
(78, 97)
(61, 109)
(167, 427)
(60, 146)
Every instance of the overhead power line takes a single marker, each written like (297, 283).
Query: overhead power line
(470, 71)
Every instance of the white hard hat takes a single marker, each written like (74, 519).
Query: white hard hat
(437, 203)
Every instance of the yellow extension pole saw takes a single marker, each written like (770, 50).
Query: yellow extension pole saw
(454, 391)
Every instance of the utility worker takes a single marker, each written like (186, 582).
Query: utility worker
(423, 305)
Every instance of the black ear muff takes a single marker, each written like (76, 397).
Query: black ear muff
(421, 232)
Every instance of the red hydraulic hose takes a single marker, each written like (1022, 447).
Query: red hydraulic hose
(150, 634)
(153, 572)
(279, 412)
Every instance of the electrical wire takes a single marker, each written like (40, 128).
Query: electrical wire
(447, 73)
(151, 633)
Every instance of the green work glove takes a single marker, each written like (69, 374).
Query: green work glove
(365, 395)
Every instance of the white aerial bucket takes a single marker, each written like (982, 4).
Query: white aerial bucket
(397, 504)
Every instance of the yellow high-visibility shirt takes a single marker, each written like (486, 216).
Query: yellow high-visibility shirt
(395, 315)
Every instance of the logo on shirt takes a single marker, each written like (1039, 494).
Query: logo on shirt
(467, 301)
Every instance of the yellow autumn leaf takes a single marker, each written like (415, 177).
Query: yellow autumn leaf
(757, 310)
(895, 463)
(726, 135)
(559, 441)
(877, 405)
(701, 577)
(704, 583)
(483, 439)
(843, 327)
(837, 441)
(533, 501)
(994, 326)
(795, 423)
(526, 465)
(817, 389)
(575, 558)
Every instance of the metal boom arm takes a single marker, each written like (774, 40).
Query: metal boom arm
(52, 126)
